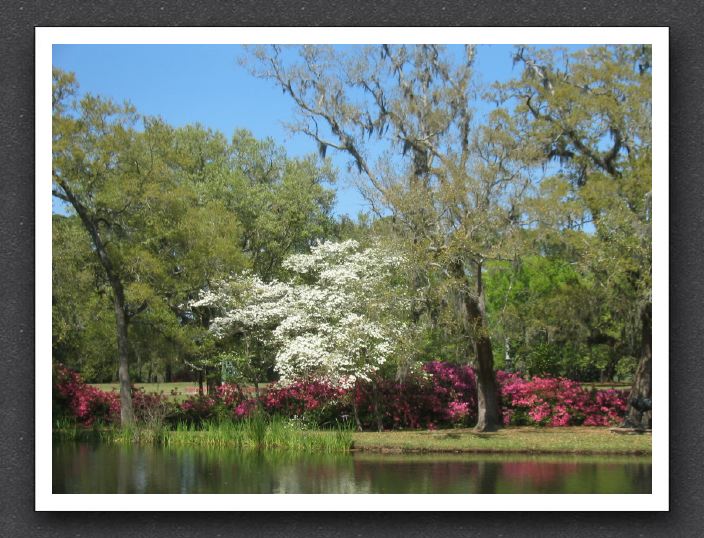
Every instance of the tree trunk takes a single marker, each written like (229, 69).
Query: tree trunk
(508, 360)
(487, 390)
(212, 382)
(474, 312)
(121, 317)
(355, 411)
(639, 413)
(167, 372)
(377, 410)
(609, 372)
(126, 411)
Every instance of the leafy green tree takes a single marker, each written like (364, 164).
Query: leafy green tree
(590, 111)
(83, 325)
(147, 225)
(170, 210)
(284, 204)
(551, 317)
(454, 193)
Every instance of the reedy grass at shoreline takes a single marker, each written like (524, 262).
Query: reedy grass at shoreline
(279, 434)
(275, 434)
(255, 433)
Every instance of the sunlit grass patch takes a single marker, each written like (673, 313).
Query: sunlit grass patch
(567, 440)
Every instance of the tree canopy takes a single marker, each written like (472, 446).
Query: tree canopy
(159, 210)
(509, 225)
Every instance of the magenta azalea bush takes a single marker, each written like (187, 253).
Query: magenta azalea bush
(86, 404)
(441, 395)
(305, 397)
(556, 401)
(444, 394)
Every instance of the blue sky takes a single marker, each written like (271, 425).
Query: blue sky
(204, 83)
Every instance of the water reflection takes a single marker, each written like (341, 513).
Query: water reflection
(99, 468)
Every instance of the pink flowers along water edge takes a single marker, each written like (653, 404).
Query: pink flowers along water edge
(440, 395)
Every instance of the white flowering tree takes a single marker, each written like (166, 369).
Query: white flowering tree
(244, 310)
(339, 318)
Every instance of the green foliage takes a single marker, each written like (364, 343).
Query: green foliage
(625, 369)
(242, 367)
(539, 211)
(83, 324)
(175, 208)
(554, 319)
(258, 432)
(284, 204)
(591, 113)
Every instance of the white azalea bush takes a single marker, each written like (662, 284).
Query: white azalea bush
(339, 318)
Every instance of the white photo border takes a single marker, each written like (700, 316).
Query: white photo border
(658, 500)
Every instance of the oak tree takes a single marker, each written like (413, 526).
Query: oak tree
(454, 192)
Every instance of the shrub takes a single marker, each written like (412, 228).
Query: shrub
(440, 394)
(73, 398)
(548, 401)
(316, 402)
(196, 409)
(152, 409)
(88, 405)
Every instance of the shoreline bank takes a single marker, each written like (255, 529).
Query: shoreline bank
(515, 440)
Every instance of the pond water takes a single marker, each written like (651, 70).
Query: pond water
(104, 468)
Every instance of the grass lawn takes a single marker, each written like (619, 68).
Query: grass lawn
(606, 385)
(524, 439)
(151, 387)
(182, 388)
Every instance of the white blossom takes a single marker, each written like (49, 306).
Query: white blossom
(330, 322)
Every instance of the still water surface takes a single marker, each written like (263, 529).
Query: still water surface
(102, 468)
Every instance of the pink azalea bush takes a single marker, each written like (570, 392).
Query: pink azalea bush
(196, 409)
(89, 405)
(442, 394)
(228, 402)
(318, 401)
(86, 404)
(556, 401)
(458, 412)
(457, 387)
